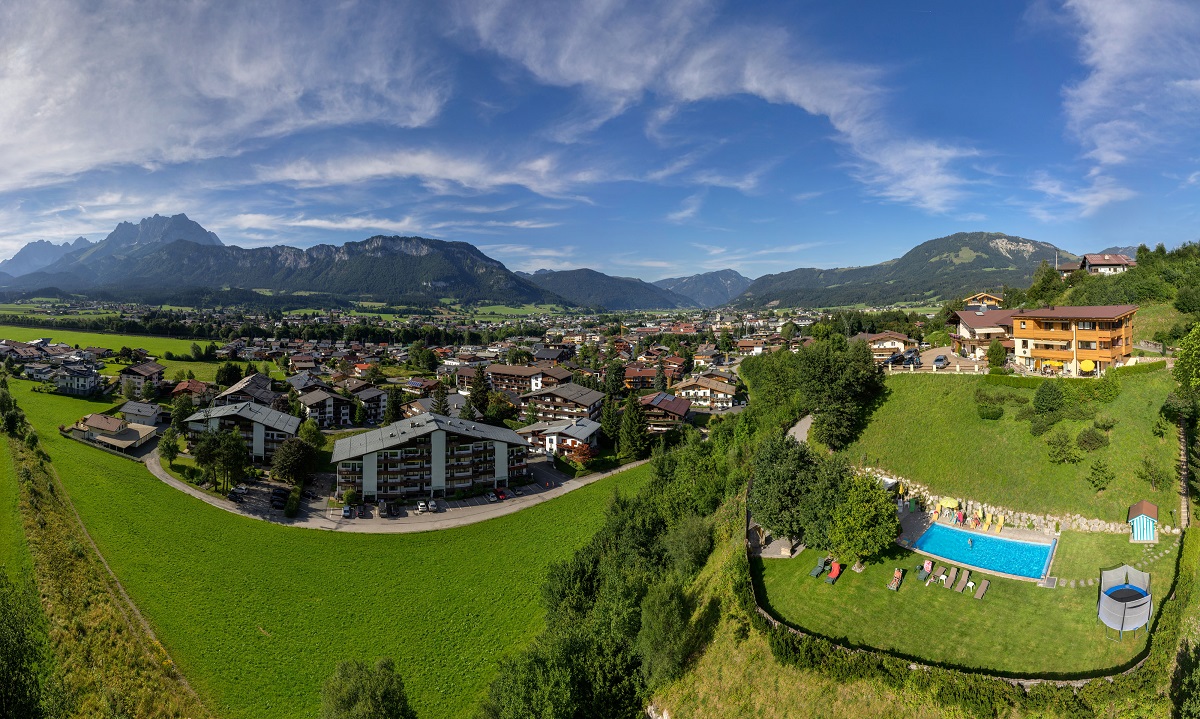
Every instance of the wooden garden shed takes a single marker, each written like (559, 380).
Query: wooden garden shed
(1143, 522)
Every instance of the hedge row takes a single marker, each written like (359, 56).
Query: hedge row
(980, 694)
(292, 507)
(1139, 368)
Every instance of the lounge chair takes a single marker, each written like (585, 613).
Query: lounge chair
(897, 577)
(937, 574)
(834, 573)
(983, 586)
(1000, 525)
(950, 578)
(987, 525)
(924, 571)
(818, 570)
(962, 581)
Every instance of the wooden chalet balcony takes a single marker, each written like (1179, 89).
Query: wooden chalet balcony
(1035, 334)
(1064, 355)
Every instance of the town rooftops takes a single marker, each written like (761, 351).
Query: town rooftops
(570, 392)
(1143, 507)
(319, 395)
(513, 370)
(265, 416)
(256, 385)
(140, 408)
(983, 320)
(1090, 312)
(103, 422)
(707, 383)
(409, 429)
(668, 403)
(581, 428)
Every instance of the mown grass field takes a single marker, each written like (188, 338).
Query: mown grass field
(156, 346)
(257, 615)
(1155, 318)
(1081, 555)
(928, 431)
(1017, 627)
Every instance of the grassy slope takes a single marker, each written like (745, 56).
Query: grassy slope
(14, 552)
(1154, 318)
(928, 431)
(257, 615)
(1005, 631)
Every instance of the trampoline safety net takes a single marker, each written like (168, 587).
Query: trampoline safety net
(1125, 603)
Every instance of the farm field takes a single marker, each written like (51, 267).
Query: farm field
(928, 431)
(156, 346)
(1018, 627)
(257, 615)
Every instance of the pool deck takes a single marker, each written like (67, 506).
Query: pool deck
(914, 524)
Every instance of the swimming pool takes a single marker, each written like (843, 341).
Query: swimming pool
(988, 552)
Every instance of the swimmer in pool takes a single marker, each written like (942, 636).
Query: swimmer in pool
(970, 543)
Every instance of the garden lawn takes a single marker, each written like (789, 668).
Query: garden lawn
(1081, 555)
(928, 431)
(1017, 628)
(257, 615)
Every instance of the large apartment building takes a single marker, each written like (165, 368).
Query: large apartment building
(262, 428)
(566, 401)
(428, 456)
(514, 379)
(1076, 339)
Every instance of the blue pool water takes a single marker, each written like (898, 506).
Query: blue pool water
(1009, 556)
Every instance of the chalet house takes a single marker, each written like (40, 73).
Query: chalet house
(983, 301)
(975, 331)
(262, 428)
(99, 352)
(1066, 269)
(1076, 339)
(255, 388)
(708, 356)
(421, 386)
(1102, 264)
(37, 371)
(141, 412)
(200, 392)
(641, 376)
(76, 380)
(328, 409)
(706, 393)
(885, 344)
(428, 455)
(307, 381)
(139, 374)
(515, 379)
(664, 412)
(552, 355)
(374, 402)
(454, 402)
(747, 347)
(567, 401)
(560, 436)
(352, 384)
(112, 432)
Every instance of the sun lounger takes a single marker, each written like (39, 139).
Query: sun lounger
(988, 523)
(897, 577)
(818, 570)
(834, 573)
(1001, 525)
(983, 586)
(962, 581)
(937, 574)
(953, 574)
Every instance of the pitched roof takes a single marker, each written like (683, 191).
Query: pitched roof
(144, 369)
(1090, 312)
(265, 416)
(143, 408)
(320, 395)
(194, 386)
(581, 429)
(707, 383)
(103, 422)
(406, 430)
(987, 318)
(1143, 507)
(1109, 260)
(570, 392)
(513, 370)
(256, 385)
(668, 403)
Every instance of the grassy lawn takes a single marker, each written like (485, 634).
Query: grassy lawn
(14, 554)
(1018, 627)
(1081, 555)
(1154, 318)
(928, 431)
(257, 615)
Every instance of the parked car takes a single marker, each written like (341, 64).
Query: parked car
(896, 358)
(501, 494)
(914, 361)
(278, 503)
(308, 494)
(911, 352)
(491, 497)
(393, 510)
(234, 497)
(422, 507)
(518, 491)
(347, 512)
(280, 492)
(433, 506)
(940, 362)
(241, 489)
(362, 511)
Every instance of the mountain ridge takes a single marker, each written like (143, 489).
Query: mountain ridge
(35, 255)
(590, 288)
(708, 289)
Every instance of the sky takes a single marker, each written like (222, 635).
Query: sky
(648, 139)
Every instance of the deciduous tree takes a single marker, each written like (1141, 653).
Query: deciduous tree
(293, 461)
(356, 690)
(864, 523)
(312, 435)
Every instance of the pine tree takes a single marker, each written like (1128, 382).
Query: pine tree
(392, 412)
(610, 420)
(479, 391)
(440, 405)
(531, 416)
(635, 435)
(466, 411)
(660, 376)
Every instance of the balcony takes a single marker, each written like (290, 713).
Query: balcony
(1051, 354)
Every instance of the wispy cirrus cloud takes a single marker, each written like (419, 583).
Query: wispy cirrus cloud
(687, 209)
(1068, 202)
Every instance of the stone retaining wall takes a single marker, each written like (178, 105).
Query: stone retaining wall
(1048, 524)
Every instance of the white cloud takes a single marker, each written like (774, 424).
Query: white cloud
(1065, 202)
(91, 85)
(687, 210)
(529, 258)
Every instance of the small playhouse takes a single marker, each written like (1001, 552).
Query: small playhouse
(1143, 523)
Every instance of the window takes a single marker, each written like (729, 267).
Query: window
(1022, 324)
(1087, 325)
(1087, 345)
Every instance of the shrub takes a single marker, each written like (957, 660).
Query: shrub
(292, 507)
(1139, 368)
(1107, 388)
(990, 411)
(1041, 423)
(1026, 413)
(664, 638)
(1162, 427)
(1079, 411)
(1048, 397)
(1100, 476)
(689, 544)
(1104, 422)
(1062, 449)
(350, 497)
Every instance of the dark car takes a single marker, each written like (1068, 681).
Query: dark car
(234, 497)
(280, 492)
(278, 503)
(895, 359)
(940, 362)
(362, 511)
(911, 351)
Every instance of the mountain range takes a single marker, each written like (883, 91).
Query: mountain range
(41, 253)
(589, 288)
(954, 266)
(710, 289)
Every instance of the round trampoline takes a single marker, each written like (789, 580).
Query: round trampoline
(1125, 604)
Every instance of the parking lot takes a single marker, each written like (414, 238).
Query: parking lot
(954, 363)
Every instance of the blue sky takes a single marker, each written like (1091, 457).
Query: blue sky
(640, 138)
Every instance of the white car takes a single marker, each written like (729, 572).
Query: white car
(491, 497)
(241, 489)
(422, 507)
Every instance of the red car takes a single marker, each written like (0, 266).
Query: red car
(501, 494)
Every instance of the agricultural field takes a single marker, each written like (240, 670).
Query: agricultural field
(1007, 631)
(256, 615)
(928, 431)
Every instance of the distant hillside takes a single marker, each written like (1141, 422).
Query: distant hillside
(954, 266)
(38, 254)
(175, 252)
(1128, 251)
(711, 289)
(590, 288)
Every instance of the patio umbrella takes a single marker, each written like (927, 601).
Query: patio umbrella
(1087, 366)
